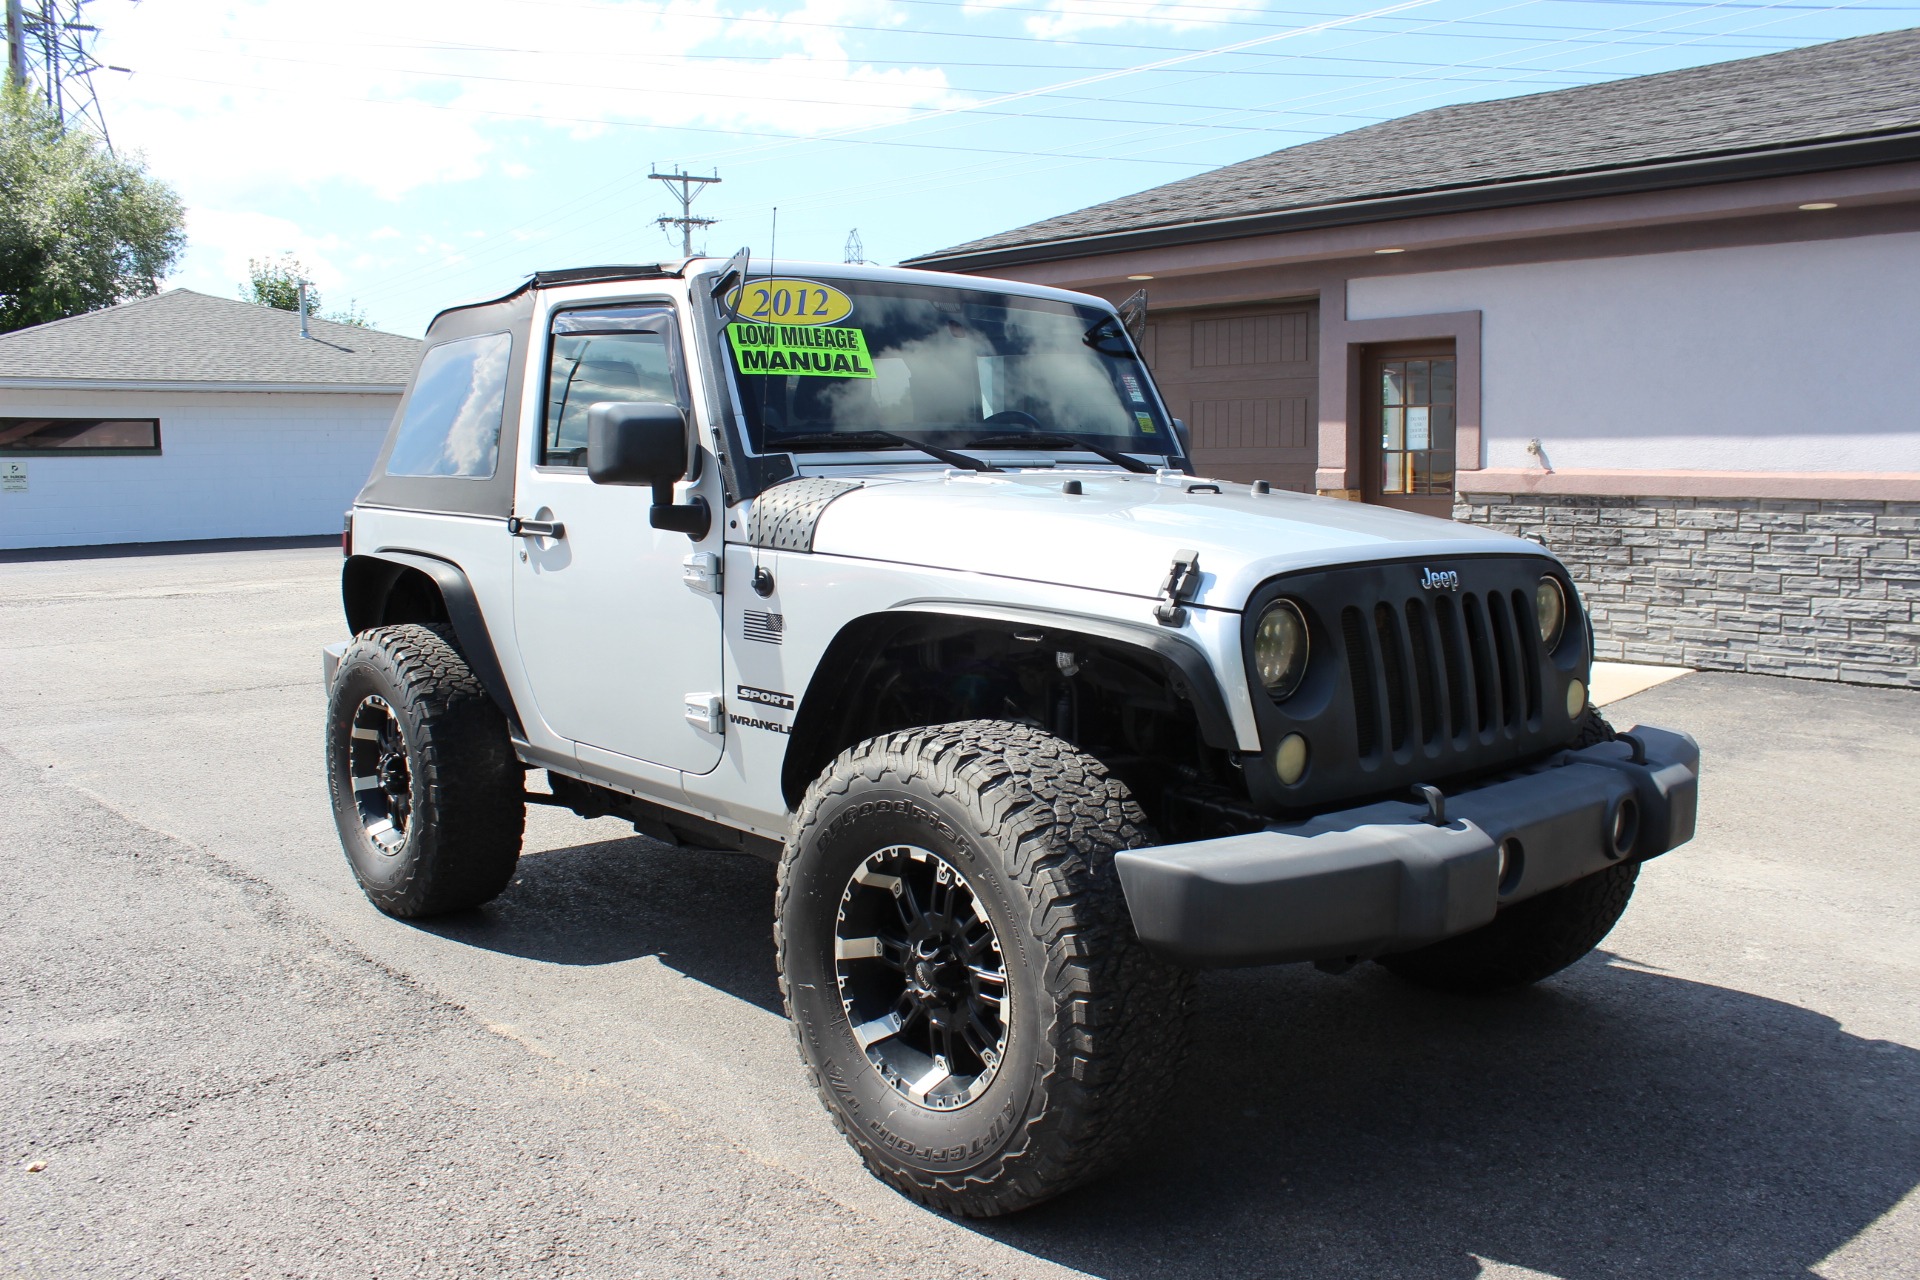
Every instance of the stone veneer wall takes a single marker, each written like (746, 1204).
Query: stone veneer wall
(1819, 589)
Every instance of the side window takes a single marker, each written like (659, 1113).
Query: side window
(452, 422)
(623, 354)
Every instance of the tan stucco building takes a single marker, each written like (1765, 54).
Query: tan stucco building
(1667, 324)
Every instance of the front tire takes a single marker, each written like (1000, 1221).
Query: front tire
(960, 969)
(426, 790)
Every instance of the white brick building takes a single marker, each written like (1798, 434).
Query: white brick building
(185, 416)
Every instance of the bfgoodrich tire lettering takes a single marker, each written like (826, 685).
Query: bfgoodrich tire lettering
(1095, 1026)
(425, 787)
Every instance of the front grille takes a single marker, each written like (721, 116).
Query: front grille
(1408, 683)
(1460, 671)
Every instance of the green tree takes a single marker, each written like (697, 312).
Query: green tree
(275, 282)
(80, 228)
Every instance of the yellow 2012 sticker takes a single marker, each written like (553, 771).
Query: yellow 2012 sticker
(781, 301)
(800, 348)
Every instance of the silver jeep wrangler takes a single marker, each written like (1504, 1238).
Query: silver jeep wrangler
(904, 581)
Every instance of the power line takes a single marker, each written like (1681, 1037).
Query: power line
(1613, 39)
(1333, 18)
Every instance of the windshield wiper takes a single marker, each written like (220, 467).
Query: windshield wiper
(947, 456)
(1052, 441)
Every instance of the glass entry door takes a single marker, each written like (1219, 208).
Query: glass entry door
(1410, 428)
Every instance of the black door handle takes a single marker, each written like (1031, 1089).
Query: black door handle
(535, 528)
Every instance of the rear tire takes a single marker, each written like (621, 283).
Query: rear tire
(1526, 942)
(960, 969)
(426, 790)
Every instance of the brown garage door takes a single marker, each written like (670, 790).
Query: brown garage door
(1245, 379)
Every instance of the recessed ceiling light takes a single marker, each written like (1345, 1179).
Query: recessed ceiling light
(1820, 204)
(1389, 250)
(1139, 277)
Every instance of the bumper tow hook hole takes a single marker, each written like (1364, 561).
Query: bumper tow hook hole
(1624, 829)
(1513, 865)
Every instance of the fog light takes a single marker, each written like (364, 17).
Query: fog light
(1625, 828)
(1290, 761)
(1576, 700)
(1513, 865)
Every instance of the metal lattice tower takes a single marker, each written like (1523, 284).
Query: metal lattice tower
(856, 252)
(686, 188)
(50, 48)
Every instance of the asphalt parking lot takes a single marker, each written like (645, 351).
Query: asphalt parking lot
(229, 1064)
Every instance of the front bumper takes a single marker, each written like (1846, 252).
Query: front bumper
(1385, 877)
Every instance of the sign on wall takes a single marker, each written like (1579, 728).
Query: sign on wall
(13, 476)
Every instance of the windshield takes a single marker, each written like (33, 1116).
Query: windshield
(817, 359)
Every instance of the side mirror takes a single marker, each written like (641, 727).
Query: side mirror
(645, 444)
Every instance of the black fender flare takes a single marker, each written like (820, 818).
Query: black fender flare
(463, 615)
(1186, 665)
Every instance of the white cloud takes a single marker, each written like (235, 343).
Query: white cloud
(224, 241)
(1067, 17)
(236, 98)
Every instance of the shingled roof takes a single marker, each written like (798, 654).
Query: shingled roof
(1826, 106)
(195, 340)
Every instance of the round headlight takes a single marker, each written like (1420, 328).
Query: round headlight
(1280, 648)
(1550, 607)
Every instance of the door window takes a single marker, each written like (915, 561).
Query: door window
(1416, 402)
(621, 354)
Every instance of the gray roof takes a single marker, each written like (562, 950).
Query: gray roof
(1845, 89)
(198, 340)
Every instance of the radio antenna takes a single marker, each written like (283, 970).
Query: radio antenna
(773, 247)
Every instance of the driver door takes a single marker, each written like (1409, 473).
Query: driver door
(614, 641)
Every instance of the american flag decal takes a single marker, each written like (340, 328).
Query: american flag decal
(767, 628)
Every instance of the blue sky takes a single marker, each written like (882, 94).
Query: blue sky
(418, 152)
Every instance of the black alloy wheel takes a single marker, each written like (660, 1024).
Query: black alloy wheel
(377, 768)
(921, 977)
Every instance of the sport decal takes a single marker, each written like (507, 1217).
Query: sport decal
(765, 697)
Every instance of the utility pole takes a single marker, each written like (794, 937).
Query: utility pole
(856, 252)
(686, 188)
(16, 45)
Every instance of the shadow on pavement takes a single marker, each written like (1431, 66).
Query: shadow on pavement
(707, 915)
(1609, 1123)
(1612, 1122)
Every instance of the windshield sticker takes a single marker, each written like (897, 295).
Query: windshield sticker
(1145, 421)
(1133, 388)
(790, 302)
(801, 349)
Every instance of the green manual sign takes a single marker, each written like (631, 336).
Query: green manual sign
(822, 351)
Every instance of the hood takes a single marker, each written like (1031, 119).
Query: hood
(1123, 531)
